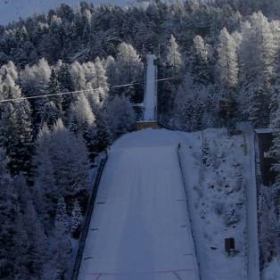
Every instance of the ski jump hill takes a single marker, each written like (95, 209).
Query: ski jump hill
(140, 227)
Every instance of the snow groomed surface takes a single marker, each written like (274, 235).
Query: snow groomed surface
(139, 229)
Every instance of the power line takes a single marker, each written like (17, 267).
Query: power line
(74, 92)
(44, 96)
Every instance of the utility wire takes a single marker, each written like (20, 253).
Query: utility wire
(74, 92)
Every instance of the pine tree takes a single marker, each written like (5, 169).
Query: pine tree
(70, 161)
(129, 67)
(174, 57)
(9, 69)
(121, 115)
(38, 249)
(227, 61)
(8, 218)
(77, 218)
(61, 217)
(265, 50)
(65, 84)
(259, 106)
(46, 189)
(200, 62)
(103, 136)
(53, 106)
(16, 130)
(83, 123)
(62, 253)
(101, 79)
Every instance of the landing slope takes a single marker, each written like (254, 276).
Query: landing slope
(140, 229)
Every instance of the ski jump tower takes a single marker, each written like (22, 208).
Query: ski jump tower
(149, 118)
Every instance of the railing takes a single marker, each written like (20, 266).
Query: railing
(197, 263)
(90, 209)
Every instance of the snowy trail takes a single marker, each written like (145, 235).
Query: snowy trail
(139, 227)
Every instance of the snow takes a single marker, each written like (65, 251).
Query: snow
(150, 99)
(212, 191)
(11, 10)
(139, 229)
(272, 271)
(142, 225)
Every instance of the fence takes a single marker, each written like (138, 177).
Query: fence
(90, 209)
(197, 263)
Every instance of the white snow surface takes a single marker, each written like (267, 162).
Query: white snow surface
(140, 226)
(150, 98)
(214, 191)
(272, 271)
(142, 230)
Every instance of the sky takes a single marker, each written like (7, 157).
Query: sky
(11, 10)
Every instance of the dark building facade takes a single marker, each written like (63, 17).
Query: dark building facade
(264, 142)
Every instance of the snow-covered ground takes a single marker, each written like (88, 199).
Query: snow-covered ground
(139, 228)
(272, 271)
(217, 198)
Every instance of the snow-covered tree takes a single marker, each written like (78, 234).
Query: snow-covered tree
(103, 137)
(46, 189)
(121, 115)
(70, 161)
(173, 57)
(199, 60)
(258, 109)
(61, 218)
(265, 49)
(129, 67)
(82, 117)
(101, 79)
(227, 61)
(77, 218)
(83, 122)
(77, 76)
(15, 128)
(9, 69)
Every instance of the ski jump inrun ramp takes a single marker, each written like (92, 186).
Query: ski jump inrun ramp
(140, 226)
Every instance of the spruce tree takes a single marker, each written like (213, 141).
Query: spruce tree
(77, 218)
(16, 134)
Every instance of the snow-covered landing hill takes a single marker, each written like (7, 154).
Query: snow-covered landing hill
(140, 226)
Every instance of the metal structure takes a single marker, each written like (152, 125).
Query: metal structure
(150, 95)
